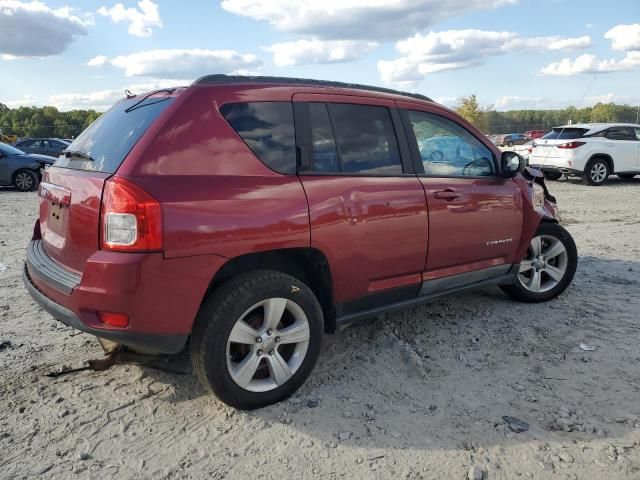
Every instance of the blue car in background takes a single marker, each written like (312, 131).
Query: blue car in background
(20, 169)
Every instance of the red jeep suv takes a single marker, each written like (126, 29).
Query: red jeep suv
(247, 216)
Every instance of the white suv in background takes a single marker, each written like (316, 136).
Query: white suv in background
(592, 151)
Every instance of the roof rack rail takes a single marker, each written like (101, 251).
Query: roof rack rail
(220, 79)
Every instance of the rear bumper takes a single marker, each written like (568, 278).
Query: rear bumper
(145, 342)
(556, 169)
(161, 297)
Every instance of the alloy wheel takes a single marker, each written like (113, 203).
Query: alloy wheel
(545, 265)
(24, 181)
(598, 172)
(267, 344)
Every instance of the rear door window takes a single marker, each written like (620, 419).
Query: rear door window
(267, 128)
(111, 137)
(354, 139)
(620, 133)
(325, 153)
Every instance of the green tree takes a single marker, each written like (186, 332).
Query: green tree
(469, 109)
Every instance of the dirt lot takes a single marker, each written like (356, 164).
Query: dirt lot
(417, 394)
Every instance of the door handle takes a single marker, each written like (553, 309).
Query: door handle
(446, 194)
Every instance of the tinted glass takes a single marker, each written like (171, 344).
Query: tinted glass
(621, 133)
(325, 155)
(365, 139)
(111, 137)
(447, 149)
(267, 128)
(565, 133)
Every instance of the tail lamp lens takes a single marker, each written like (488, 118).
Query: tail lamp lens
(571, 145)
(114, 319)
(131, 218)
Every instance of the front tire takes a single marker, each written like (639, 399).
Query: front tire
(257, 339)
(548, 267)
(596, 172)
(25, 180)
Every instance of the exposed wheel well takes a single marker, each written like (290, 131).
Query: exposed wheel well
(309, 265)
(606, 157)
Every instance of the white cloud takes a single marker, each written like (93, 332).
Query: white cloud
(141, 20)
(181, 63)
(304, 52)
(356, 19)
(544, 103)
(421, 55)
(103, 99)
(590, 64)
(26, 101)
(624, 38)
(98, 61)
(32, 29)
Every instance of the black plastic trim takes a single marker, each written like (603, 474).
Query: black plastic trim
(476, 281)
(453, 282)
(150, 343)
(219, 79)
(49, 270)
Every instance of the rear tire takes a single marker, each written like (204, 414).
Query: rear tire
(548, 267)
(553, 175)
(257, 338)
(625, 176)
(596, 172)
(25, 180)
(510, 144)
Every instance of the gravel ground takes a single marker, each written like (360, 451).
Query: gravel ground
(417, 394)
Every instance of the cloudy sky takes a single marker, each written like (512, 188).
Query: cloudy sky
(511, 53)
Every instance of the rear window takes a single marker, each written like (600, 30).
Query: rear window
(111, 137)
(565, 133)
(267, 128)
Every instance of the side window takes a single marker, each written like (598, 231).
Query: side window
(366, 139)
(621, 133)
(267, 128)
(325, 153)
(447, 149)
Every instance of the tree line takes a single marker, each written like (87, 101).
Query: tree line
(518, 121)
(44, 121)
(50, 122)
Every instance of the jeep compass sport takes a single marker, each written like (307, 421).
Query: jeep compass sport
(247, 216)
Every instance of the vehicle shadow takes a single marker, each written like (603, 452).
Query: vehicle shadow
(445, 374)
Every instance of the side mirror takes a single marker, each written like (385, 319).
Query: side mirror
(510, 164)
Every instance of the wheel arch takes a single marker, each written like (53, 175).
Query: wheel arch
(309, 265)
(604, 156)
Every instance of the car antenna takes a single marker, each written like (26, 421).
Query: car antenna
(569, 122)
(128, 93)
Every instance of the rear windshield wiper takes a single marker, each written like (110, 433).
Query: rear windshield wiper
(139, 102)
(77, 153)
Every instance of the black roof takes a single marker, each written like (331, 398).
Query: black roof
(219, 79)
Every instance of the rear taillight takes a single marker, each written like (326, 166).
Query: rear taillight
(131, 218)
(571, 145)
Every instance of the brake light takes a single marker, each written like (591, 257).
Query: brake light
(131, 219)
(571, 145)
